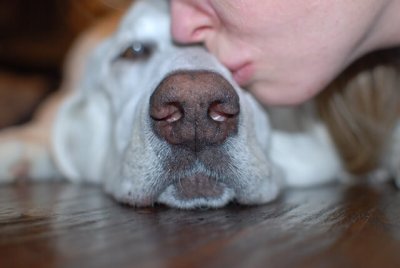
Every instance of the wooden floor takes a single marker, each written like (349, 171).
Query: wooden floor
(64, 225)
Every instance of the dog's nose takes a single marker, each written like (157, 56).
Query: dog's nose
(194, 109)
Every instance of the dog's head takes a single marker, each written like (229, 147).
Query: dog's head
(162, 123)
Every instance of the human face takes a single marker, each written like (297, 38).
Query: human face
(284, 52)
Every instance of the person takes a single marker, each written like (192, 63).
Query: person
(285, 52)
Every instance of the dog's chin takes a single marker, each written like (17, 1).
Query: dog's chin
(197, 191)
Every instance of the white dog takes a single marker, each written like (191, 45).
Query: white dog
(157, 123)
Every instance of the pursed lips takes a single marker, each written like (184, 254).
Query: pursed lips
(243, 73)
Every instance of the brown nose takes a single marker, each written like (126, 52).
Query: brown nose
(194, 109)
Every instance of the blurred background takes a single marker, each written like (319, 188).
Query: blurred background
(34, 39)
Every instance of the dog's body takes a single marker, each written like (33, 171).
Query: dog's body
(154, 122)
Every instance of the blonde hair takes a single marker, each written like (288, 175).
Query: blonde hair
(361, 108)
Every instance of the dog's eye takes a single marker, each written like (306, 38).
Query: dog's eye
(137, 51)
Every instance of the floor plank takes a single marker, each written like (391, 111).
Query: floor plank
(65, 225)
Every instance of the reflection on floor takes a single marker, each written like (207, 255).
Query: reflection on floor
(57, 224)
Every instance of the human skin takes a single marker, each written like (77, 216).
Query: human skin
(285, 52)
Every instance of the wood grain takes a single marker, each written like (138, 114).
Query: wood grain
(65, 225)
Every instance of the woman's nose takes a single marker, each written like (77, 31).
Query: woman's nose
(188, 23)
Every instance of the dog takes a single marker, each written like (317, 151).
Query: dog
(155, 122)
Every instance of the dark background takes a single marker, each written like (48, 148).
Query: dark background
(34, 39)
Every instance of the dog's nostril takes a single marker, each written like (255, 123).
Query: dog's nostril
(221, 112)
(169, 112)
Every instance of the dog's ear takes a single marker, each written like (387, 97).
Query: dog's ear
(81, 136)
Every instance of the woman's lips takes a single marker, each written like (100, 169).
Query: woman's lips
(243, 74)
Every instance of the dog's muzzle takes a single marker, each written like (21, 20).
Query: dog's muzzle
(194, 113)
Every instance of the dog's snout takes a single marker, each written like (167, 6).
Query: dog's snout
(194, 109)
